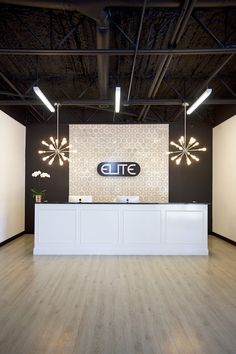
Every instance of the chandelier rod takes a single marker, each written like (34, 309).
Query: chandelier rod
(58, 105)
(185, 122)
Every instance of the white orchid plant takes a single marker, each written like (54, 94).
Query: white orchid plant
(38, 190)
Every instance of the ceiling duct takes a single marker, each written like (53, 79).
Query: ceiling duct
(89, 7)
(94, 10)
(103, 42)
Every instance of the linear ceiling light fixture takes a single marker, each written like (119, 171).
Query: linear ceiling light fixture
(197, 103)
(117, 99)
(44, 99)
(56, 148)
(184, 148)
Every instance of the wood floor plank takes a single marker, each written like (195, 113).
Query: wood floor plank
(117, 304)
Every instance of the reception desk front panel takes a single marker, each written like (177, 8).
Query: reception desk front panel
(121, 229)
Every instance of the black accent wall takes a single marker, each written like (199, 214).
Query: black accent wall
(58, 185)
(224, 112)
(194, 182)
(186, 183)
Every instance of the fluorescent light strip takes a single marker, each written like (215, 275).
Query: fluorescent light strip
(117, 100)
(199, 101)
(43, 98)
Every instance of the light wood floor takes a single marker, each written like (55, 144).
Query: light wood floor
(117, 304)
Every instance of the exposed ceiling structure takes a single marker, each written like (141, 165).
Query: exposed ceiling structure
(161, 53)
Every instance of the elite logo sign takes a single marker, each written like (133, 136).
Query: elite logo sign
(118, 169)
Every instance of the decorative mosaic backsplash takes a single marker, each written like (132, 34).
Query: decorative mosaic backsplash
(145, 144)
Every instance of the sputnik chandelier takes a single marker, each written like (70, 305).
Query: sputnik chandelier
(185, 149)
(56, 148)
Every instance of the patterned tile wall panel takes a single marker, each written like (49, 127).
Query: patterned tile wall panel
(145, 144)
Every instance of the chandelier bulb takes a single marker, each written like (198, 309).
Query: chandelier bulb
(45, 158)
(44, 143)
(192, 140)
(188, 160)
(178, 160)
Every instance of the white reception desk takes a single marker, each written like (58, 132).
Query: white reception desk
(120, 229)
